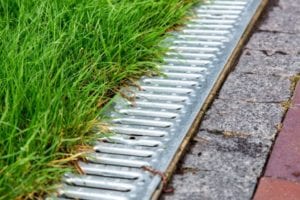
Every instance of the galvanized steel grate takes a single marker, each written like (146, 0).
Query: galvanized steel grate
(150, 130)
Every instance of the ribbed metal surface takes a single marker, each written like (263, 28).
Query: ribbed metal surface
(150, 130)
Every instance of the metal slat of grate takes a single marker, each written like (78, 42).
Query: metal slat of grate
(149, 130)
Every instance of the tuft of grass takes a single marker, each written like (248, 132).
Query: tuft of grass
(59, 59)
(294, 80)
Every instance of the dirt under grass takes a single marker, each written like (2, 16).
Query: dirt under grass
(60, 60)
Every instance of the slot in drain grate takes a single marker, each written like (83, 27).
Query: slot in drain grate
(151, 129)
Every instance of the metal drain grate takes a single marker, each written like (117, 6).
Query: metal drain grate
(150, 130)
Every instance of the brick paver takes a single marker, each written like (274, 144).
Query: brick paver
(276, 189)
(284, 161)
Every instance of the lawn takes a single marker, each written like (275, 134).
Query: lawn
(60, 61)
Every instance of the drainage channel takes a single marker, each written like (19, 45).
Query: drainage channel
(150, 131)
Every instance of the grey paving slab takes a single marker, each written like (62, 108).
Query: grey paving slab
(210, 185)
(243, 156)
(258, 62)
(221, 168)
(289, 5)
(256, 88)
(281, 42)
(243, 118)
(278, 20)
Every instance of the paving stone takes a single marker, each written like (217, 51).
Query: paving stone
(276, 189)
(284, 161)
(257, 62)
(279, 42)
(256, 88)
(242, 156)
(278, 20)
(289, 5)
(254, 119)
(210, 185)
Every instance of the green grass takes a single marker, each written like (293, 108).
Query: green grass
(59, 61)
